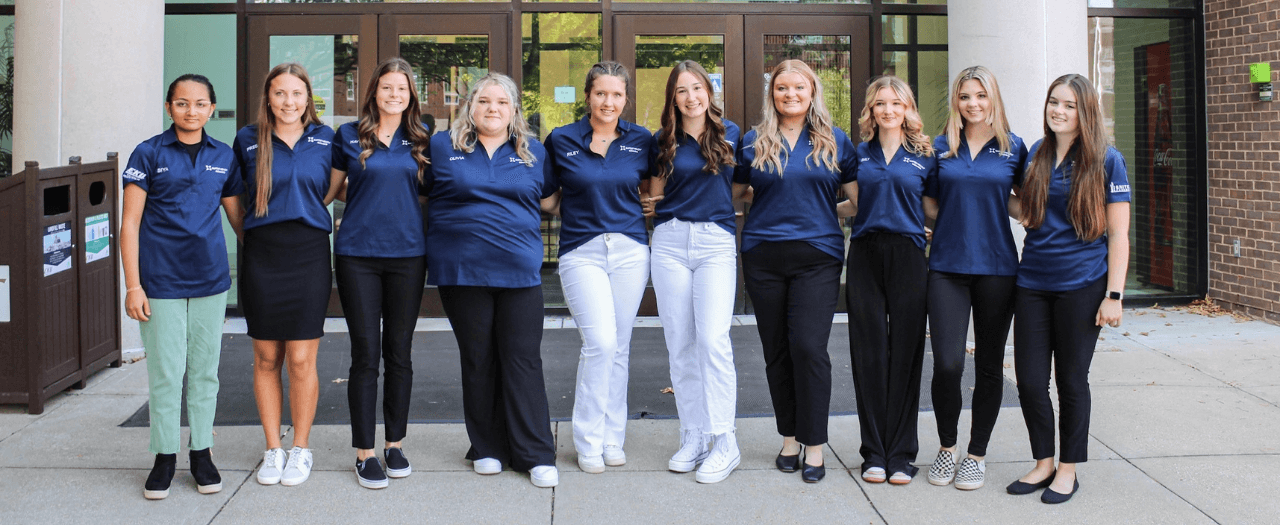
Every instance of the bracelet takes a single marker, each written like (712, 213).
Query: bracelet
(134, 289)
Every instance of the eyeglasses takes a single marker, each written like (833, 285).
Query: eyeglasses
(183, 105)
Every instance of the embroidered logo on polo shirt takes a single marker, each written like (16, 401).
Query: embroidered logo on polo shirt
(1119, 188)
(321, 142)
(913, 162)
(629, 149)
(1002, 154)
(405, 143)
(134, 174)
(520, 161)
(215, 169)
(572, 153)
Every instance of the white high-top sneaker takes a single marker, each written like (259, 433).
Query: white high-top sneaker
(694, 448)
(723, 459)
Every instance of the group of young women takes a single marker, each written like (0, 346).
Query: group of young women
(486, 181)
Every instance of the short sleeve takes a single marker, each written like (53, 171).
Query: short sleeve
(1020, 168)
(549, 185)
(1117, 177)
(139, 168)
(551, 177)
(742, 167)
(848, 160)
(931, 184)
(339, 160)
(652, 172)
(235, 182)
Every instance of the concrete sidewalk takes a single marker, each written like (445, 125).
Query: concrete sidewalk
(1186, 413)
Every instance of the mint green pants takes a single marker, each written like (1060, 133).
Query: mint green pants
(183, 336)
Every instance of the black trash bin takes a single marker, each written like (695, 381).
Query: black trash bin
(59, 287)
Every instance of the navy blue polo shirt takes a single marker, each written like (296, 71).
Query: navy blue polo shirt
(599, 194)
(889, 194)
(1054, 258)
(801, 204)
(299, 177)
(972, 234)
(382, 217)
(694, 195)
(182, 252)
(483, 219)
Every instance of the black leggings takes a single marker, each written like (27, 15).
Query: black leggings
(951, 297)
(504, 396)
(1056, 329)
(380, 298)
(794, 288)
(886, 282)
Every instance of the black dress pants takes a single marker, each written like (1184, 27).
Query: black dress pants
(886, 282)
(1056, 330)
(951, 297)
(380, 299)
(504, 396)
(794, 288)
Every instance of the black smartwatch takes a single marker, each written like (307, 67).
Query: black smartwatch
(1114, 295)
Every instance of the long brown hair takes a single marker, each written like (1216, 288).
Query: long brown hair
(769, 139)
(713, 145)
(995, 117)
(1086, 204)
(913, 137)
(410, 119)
(267, 129)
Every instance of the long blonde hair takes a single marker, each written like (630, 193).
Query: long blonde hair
(995, 117)
(463, 131)
(769, 142)
(914, 139)
(267, 128)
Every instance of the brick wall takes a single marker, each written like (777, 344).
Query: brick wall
(1243, 156)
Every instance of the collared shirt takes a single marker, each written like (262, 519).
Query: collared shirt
(889, 193)
(299, 177)
(483, 215)
(382, 217)
(972, 234)
(1054, 258)
(599, 194)
(692, 194)
(182, 252)
(800, 205)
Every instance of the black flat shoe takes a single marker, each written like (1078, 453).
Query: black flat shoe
(787, 463)
(1018, 488)
(1051, 497)
(813, 473)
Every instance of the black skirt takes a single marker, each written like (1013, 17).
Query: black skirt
(285, 279)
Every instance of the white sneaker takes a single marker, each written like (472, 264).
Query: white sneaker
(487, 466)
(614, 456)
(298, 469)
(272, 467)
(694, 447)
(723, 459)
(544, 476)
(591, 464)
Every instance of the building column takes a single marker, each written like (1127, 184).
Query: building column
(88, 78)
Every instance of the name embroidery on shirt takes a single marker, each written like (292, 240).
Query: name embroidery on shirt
(215, 169)
(456, 158)
(251, 148)
(134, 174)
(572, 153)
(1119, 188)
(864, 159)
(321, 142)
(355, 141)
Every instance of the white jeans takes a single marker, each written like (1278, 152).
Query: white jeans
(603, 282)
(694, 276)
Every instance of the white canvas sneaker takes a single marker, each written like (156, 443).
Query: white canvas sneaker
(272, 467)
(694, 448)
(614, 456)
(723, 459)
(298, 468)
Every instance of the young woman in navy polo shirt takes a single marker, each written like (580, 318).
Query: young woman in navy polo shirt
(1075, 205)
(797, 162)
(176, 274)
(972, 265)
(379, 259)
(695, 268)
(885, 278)
(597, 164)
(284, 274)
(483, 227)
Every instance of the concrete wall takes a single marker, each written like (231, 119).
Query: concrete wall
(88, 74)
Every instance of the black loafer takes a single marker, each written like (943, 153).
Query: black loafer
(1051, 497)
(813, 473)
(1018, 488)
(787, 463)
